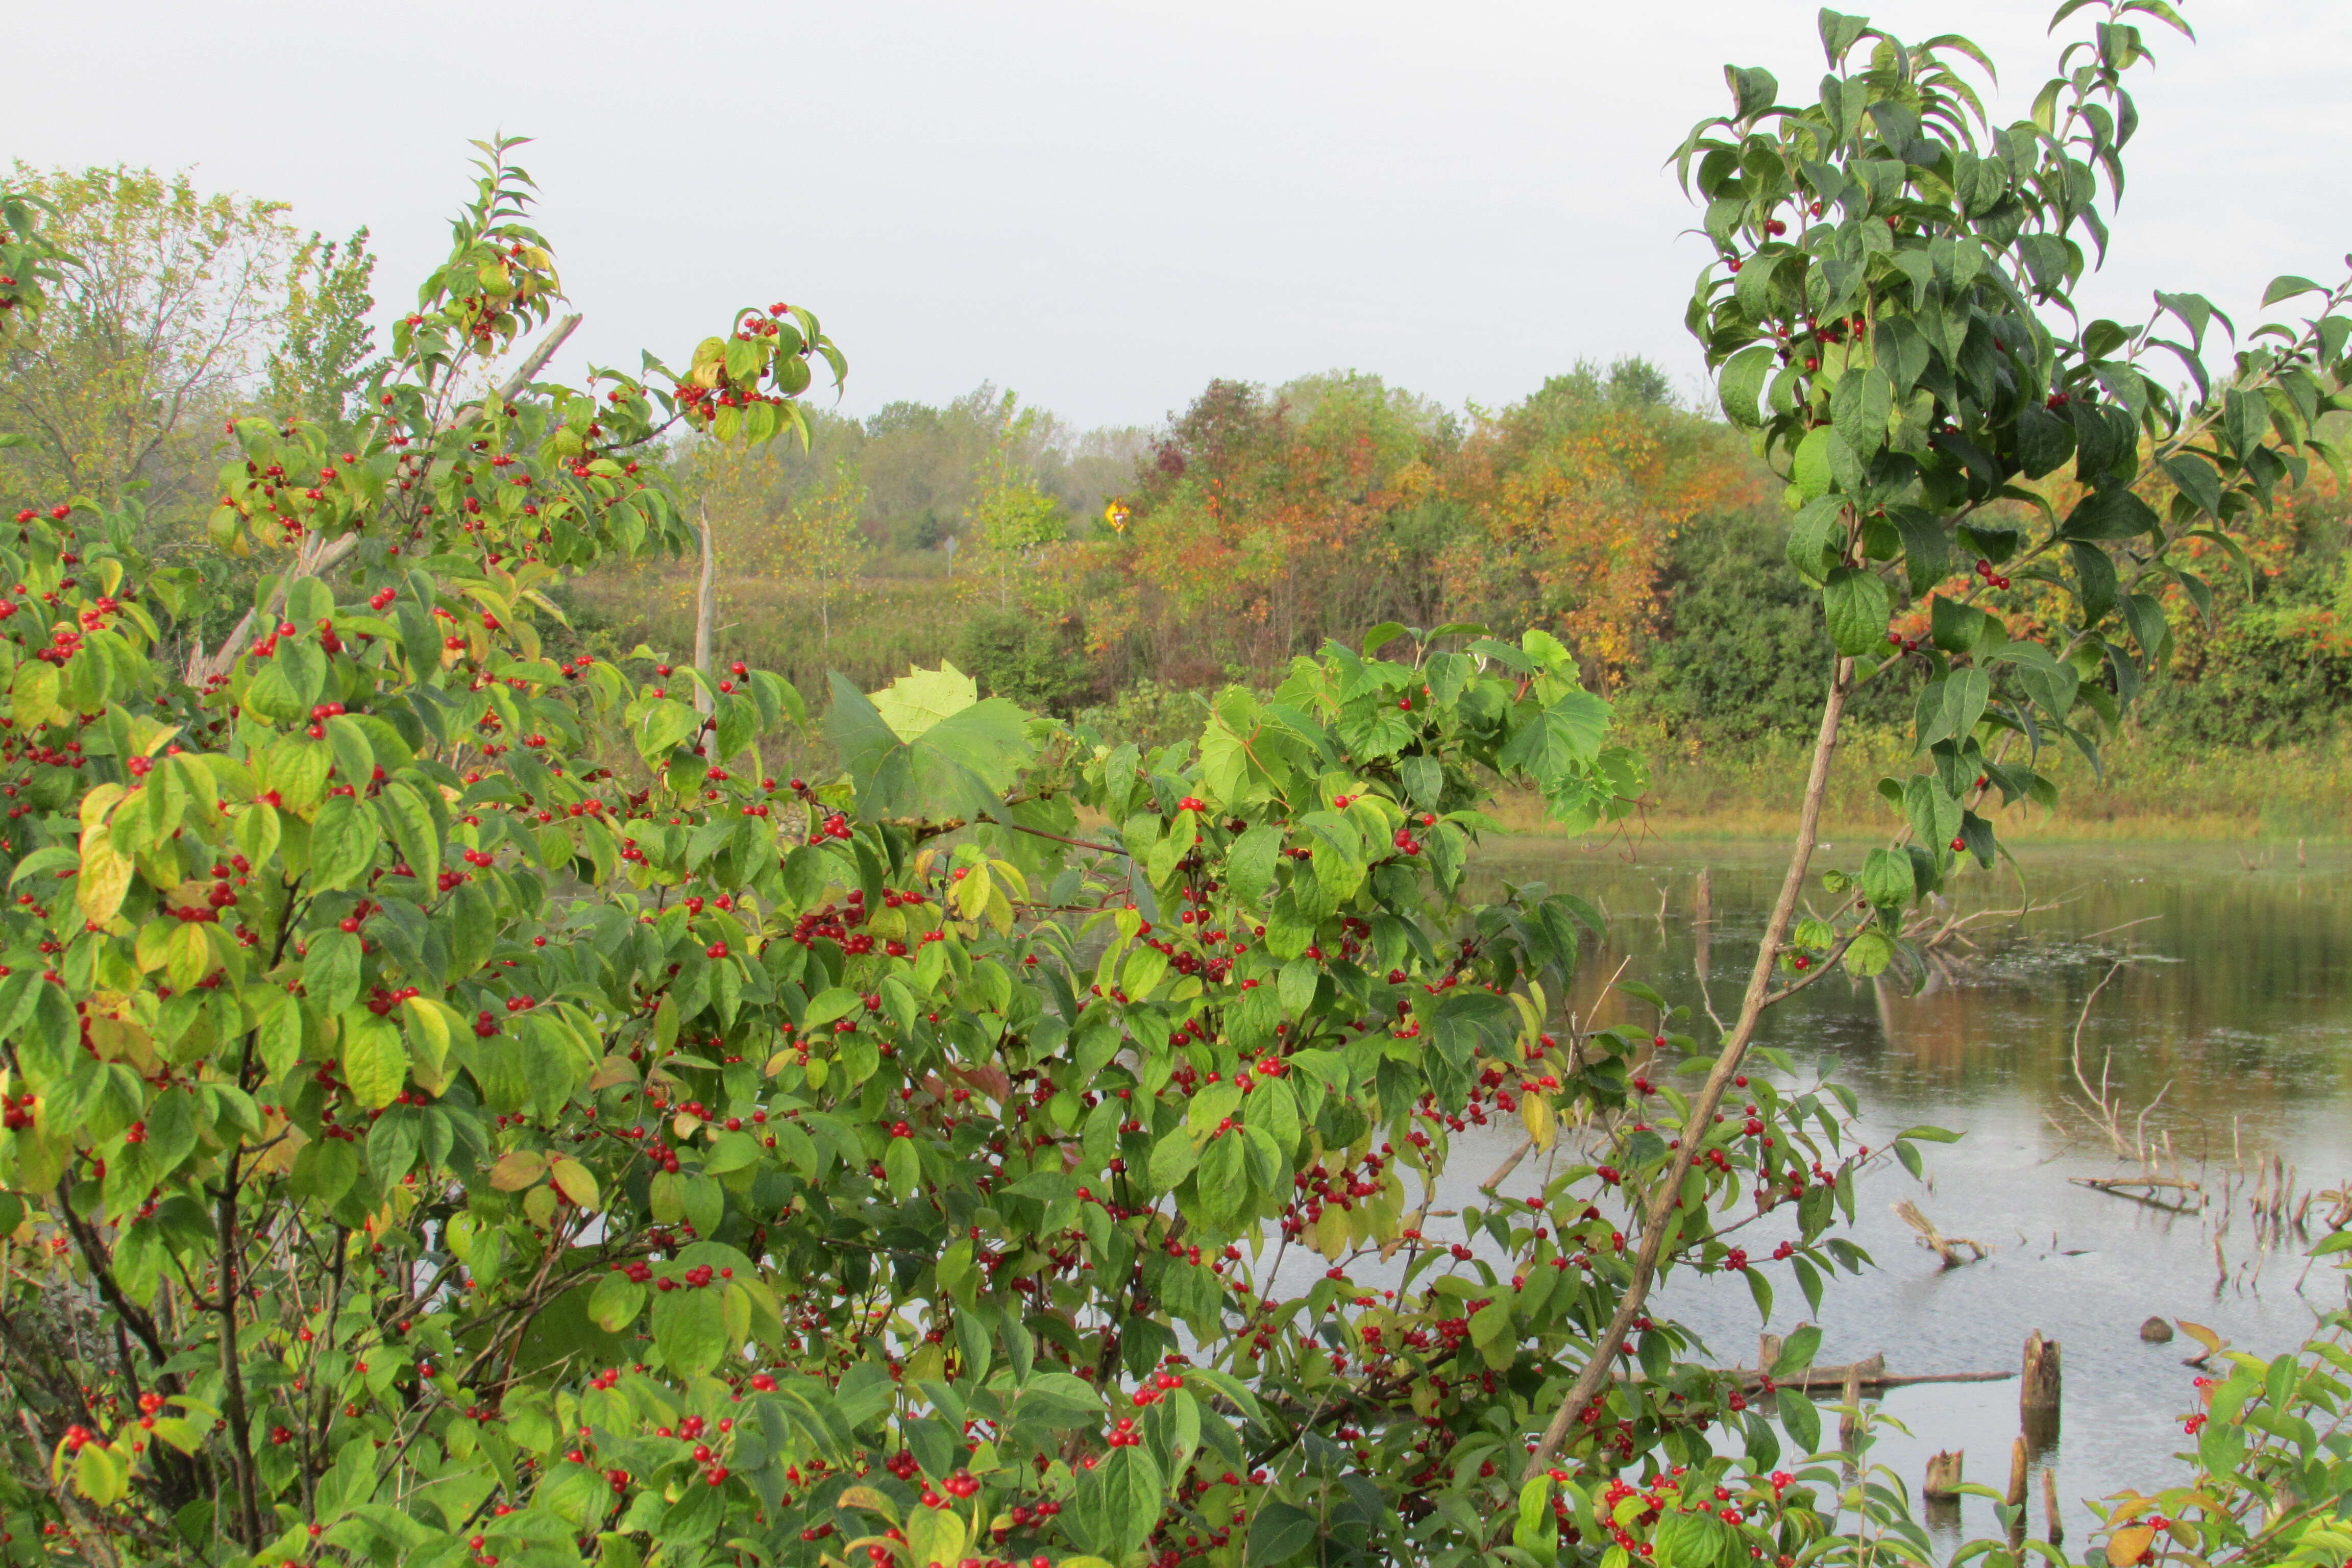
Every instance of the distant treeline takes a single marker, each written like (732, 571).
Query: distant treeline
(1119, 568)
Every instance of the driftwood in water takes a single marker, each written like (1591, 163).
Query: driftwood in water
(2017, 1467)
(2143, 1190)
(1870, 1372)
(1942, 1474)
(2054, 1528)
(1946, 1248)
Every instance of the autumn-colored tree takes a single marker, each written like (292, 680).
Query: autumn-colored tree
(1266, 522)
(1573, 499)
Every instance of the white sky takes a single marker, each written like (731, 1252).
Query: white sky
(1102, 203)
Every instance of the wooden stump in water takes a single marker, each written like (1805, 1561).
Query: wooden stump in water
(1943, 1473)
(1768, 1351)
(1850, 1424)
(2017, 1473)
(2038, 1391)
(2052, 1530)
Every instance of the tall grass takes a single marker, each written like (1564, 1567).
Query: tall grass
(2151, 787)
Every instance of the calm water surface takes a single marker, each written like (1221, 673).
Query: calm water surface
(2233, 1002)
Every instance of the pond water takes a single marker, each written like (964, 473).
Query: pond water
(2231, 1003)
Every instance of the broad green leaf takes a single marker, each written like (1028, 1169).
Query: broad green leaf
(375, 1060)
(1858, 606)
(689, 1329)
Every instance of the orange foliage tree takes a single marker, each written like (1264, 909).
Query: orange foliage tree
(1269, 521)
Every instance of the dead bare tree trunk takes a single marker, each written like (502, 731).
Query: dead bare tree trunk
(706, 613)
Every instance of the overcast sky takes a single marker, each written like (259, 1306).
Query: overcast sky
(1102, 203)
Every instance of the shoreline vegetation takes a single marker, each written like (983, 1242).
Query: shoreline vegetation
(2155, 791)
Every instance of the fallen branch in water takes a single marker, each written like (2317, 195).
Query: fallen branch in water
(1946, 1249)
(2122, 1187)
(1870, 1372)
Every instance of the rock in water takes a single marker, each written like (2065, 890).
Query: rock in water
(2155, 1330)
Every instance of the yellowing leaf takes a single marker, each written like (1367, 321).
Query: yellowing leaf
(105, 877)
(1331, 1232)
(935, 1535)
(430, 1024)
(517, 1169)
(186, 957)
(98, 804)
(33, 695)
(615, 1070)
(97, 1474)
(2125, 1546)
(572, 1180)
(922, 697)
(1536, 1111)
(375, 1061)
(971, 895)
(2201, 1334)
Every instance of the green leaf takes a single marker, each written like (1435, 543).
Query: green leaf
(1817, 538)
(1797, 1352)
(1559, 738)
(1172, 1159)
(903, 1166)
(615, 1302)
(665, 723)
(1887, 879)
(1280, 1532)
(1823, 459)
(330, 971)
(2287, 286)
(1060, 1401)
(1956, 627)
(1741, 380)
(1423, 779)
(342, 843)
(1857, 605)
(414, 831)
(1249, 865)
(1800, 1419)
(689, 1329)
(2043, 440)
(1121, 1500)
(1860, 406)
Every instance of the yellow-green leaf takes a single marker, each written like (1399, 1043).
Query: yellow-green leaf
(375, 1060)
(572, 1180)
(517, 1169)
(33, 695)
(105, 877)
(935, 1536)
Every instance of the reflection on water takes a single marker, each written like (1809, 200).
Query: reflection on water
(2231, 1004)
